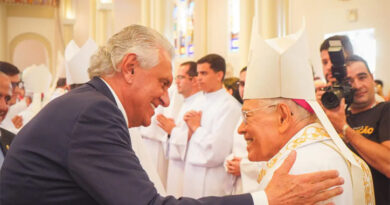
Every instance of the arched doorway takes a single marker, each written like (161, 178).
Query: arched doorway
(30, 48)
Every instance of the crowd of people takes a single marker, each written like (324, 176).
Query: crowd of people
(122, 134)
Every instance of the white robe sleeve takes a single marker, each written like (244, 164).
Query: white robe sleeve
(178, 143)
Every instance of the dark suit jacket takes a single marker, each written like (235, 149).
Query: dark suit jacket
(6, 138)
(77, 150)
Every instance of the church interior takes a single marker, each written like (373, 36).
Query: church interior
(38, 31)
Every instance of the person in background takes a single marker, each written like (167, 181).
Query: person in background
(61, 88)
(366, 126)
(12, 121)
(233, 160)
(177, 130)
(379, 97)
(213, 124)
(231, 85)
(6, 136)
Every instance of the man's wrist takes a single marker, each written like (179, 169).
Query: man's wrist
(344, 132)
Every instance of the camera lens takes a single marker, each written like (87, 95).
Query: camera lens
(331, 99)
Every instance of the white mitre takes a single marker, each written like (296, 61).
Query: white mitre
(280, 67)
(79, 63)
(70, 50)
(37, 79)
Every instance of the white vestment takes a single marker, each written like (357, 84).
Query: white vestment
(315, 152)
(239, 150)
(57, 93)
(12, 112)
(204, 173)
(144, 158)
(155, 138)
(177, 145)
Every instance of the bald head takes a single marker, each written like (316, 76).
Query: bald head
(5, 94)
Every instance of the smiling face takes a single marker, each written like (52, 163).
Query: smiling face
(5, 95)
(147, 89)
(364, 84)
(260, 130)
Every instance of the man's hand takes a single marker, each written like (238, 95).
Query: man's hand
(320, 87)
(301, 189)
(17, 121)
(167, 124)
(233, 166)
(192, 119)
(337, 116)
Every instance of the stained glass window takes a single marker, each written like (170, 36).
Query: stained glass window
(183, 27)
(234, 24)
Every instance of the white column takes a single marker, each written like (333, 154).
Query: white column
(246, 18)
(200, 38)
(3, 33)
(104, 26)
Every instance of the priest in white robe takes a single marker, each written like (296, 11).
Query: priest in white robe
(177, 130)
(155, 138)
(212, 131)
(144, 158)
(281, 115)
(239, 152)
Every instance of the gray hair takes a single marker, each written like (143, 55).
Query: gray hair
(300, 113)
(140, 40)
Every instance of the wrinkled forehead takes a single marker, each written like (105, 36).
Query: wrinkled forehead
(252, 103)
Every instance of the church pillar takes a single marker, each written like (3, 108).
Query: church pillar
(68, 21)
(246, 17)
(273, 16)
(145, 15)
(200, 29)
(3, 33)
(104, 22)
(92, 19)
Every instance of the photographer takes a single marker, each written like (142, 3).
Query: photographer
(365, 125)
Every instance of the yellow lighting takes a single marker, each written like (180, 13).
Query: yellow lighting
(106, 1)
(70, 15)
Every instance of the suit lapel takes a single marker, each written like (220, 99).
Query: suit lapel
(6, 138)
(101, 87)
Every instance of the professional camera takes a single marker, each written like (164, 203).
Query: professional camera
(341, 87)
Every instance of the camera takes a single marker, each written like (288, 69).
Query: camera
(341, 87)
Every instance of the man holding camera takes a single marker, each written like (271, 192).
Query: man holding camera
(365, 125)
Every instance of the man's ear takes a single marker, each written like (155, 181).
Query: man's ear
(220, 75)
(284, 117)
(128, 66)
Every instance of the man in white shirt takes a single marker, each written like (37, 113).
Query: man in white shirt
(211, 131)
(188, 87)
